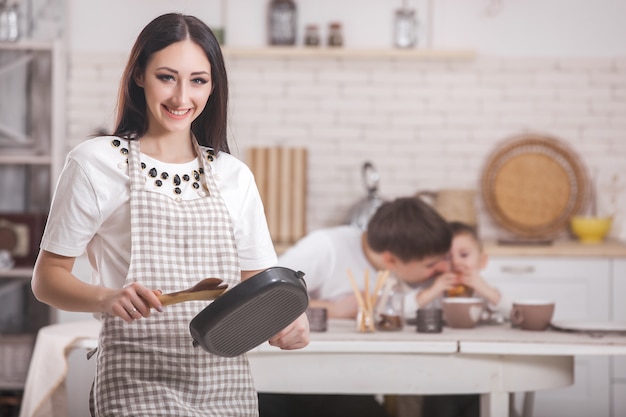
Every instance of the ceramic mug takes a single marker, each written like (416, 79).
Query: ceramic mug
(462, 312)
(532, 314)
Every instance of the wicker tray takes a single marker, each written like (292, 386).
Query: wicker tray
(533, 184)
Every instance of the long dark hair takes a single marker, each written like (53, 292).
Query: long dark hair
(210, 126)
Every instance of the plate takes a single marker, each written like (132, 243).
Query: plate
(533, 184)
(590, 326)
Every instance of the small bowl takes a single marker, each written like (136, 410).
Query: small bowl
(462, 312)
(590, 229)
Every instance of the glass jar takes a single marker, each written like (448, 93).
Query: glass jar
(13, 20)
(312, 35)
(365, 321)
(282, 22)
(4, 21)
(405, 28)
(335, 35)
(389, 312)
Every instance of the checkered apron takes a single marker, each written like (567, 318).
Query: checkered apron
(149, 367)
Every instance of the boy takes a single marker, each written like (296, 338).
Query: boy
(468, 260)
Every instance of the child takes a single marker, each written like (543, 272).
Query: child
(467, 260)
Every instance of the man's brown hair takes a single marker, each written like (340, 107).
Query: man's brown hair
(410, 229)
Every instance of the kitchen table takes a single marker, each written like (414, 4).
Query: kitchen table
(491, 360)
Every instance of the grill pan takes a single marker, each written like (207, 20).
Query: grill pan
(251, 312)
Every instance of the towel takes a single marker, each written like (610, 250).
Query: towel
(44, 393)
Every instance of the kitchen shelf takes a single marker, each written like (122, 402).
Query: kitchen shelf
(44, 61)
(32, 102)
(16, 273)
(565, 248)
(327, 52)
(25, 159)
(23, 45)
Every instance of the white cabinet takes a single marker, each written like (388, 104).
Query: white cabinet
(32, 121)
(618, 393)
(581, 288)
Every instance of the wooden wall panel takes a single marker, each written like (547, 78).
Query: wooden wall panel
(281, 177)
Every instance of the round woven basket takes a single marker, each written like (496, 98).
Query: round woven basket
(533, 184)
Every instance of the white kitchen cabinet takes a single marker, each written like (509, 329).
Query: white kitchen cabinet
(32, 121)
(618, 400)
(581, 289)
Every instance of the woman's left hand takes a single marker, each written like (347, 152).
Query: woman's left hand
(294, 336)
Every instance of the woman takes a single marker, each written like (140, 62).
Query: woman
(158, 206)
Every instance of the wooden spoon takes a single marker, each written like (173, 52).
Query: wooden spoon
(207, 289)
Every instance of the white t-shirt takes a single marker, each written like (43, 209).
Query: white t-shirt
(325, 256)
(90, 211)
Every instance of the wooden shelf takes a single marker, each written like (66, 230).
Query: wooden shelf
(567, 248)
(25, 159)
(28, 45)
(326, 52)
(20, 272)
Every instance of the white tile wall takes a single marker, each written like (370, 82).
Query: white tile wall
(424, 124)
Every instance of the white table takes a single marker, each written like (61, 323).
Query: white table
(493, 361)
(490, 360)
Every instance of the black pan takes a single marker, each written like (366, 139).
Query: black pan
(251, 312)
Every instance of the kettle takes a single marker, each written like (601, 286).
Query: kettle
(360, 214)
(453, 204)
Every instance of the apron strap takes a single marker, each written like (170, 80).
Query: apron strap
(137, 181)
(210, 187)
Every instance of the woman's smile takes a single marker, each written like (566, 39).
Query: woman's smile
(177, 114)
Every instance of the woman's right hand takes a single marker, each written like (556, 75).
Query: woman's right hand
(132, 302)
(54, 284)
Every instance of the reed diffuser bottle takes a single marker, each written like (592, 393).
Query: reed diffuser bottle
(405, 27)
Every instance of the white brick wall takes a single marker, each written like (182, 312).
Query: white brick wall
(424, 124)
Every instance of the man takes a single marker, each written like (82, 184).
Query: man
(406, 237)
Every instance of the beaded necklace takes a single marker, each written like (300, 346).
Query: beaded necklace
(177, 179)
